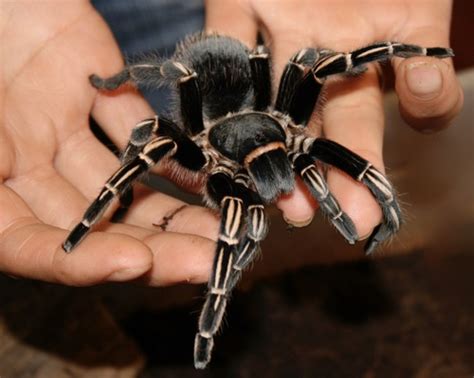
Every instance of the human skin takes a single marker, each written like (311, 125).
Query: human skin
(52, 166)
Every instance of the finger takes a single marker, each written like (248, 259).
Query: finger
(298, 207)
(429, 91)
(179, 258)
(149, 209)
(57, 203)
(160, 212)
(29, 248)
(353, 116)
(241, 25)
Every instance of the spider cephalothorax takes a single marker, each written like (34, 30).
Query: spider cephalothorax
(246, 148)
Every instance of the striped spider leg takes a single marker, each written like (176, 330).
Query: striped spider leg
(243, 226)
(313, 150)
(155, 72)
(304, 89)
(151, 154)
(259, 60)
(257, 228)
(328, 205)
(300, 86)
(140, 156)
(169, 72)
(141, 135)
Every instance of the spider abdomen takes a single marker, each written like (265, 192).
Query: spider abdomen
(223, 72)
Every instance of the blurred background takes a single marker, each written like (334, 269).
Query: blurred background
(312, 306)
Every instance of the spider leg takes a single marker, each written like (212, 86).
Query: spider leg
(138, 73)
(259, 60)
(141, 135)
(223, 191)
(151, 154)
(292, 74)
(188, 154)
(240, 207)
(248, 249)
(304, 166)
(337, 63)
(257, 229)
(332, 153)
(170, 72)
(189, 94)
(309, 87)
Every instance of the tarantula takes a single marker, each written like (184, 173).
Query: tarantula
(247, 148)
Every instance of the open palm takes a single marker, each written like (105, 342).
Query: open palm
(52, 166)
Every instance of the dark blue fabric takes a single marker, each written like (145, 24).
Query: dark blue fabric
(142, 26)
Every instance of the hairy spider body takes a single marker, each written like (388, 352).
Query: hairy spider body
(247, 149)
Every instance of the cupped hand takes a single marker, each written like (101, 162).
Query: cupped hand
(52, 166)
(429, 93)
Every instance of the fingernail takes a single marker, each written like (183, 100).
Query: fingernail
(294, 223)
(126, 274)
(424, 79)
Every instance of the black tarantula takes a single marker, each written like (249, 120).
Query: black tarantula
(247, 148)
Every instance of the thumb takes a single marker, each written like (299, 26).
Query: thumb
(241, 25)
(429, 92)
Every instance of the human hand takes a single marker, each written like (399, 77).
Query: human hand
(429, 93)
(52, 166)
